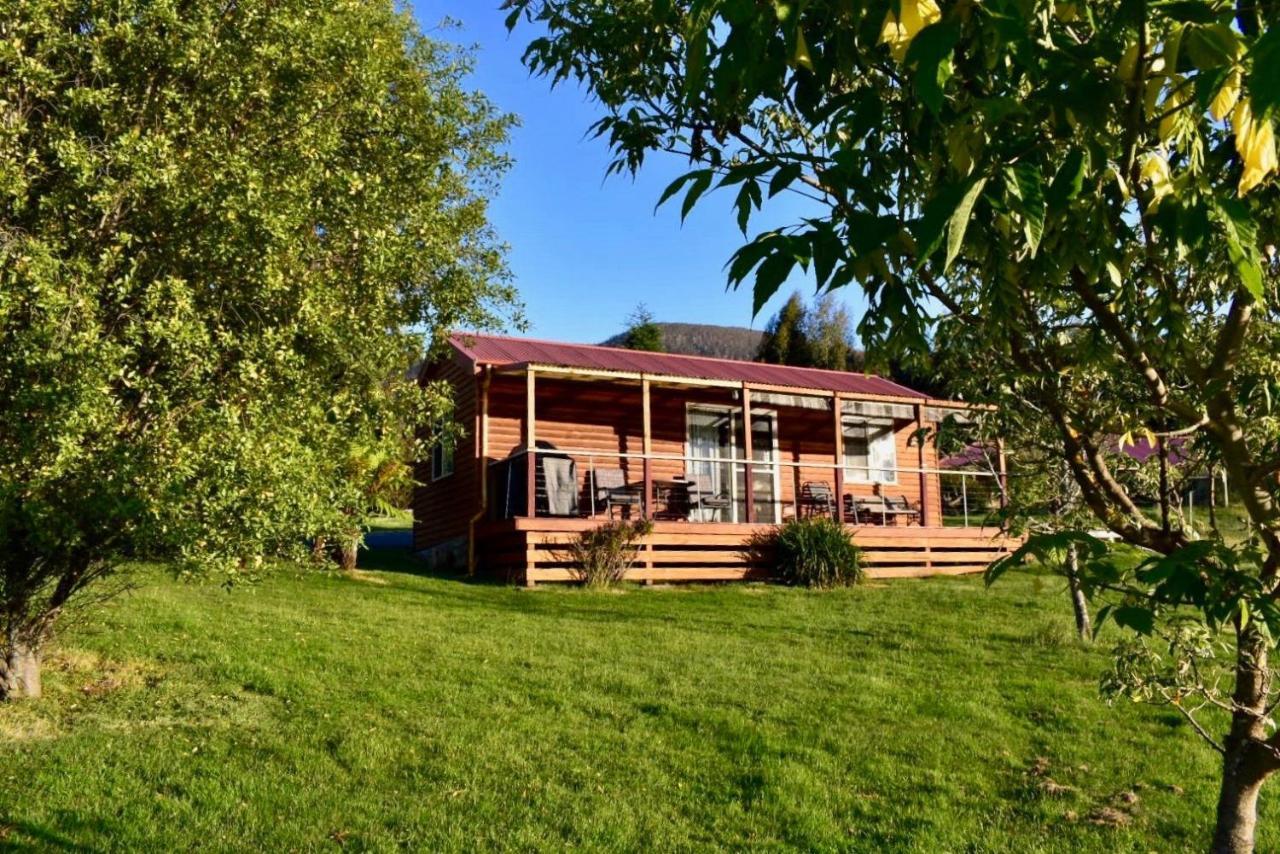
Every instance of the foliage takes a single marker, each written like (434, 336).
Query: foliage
(220, 230)
(1081, 198)
(757, 695)
(814, 552)
(602, 555)
(785, 341)
(642, 333)
(817, 336)
(829, 331)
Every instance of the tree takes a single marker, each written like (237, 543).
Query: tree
(785, 340)
(642, 333)
(220, 226)
(1082, 196)
(817, 336)
(1044, 498)
(829, 331)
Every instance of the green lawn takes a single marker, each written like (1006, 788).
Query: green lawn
(401, 711)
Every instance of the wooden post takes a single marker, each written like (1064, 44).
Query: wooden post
(924, 478)
(748, 454)
(482, 466)
(646, 508)
(837, 406)
(530, 439)
(1004, 475)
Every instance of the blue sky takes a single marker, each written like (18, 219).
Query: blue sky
(585, 249)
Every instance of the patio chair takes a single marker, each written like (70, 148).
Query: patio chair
(816, 499)
(609, 490)
(903, 508)
(701, 495)
(863, 511)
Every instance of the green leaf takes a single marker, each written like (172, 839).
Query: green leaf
(674, 186)
(827, 248)
(1028, 190)
(1141, 620)
(772, 273)
(1241, 232)
(1191, 11)
(930, 53)
(1264, 83)
(696, 42)
(748, 200)
(1207, 84)
(1104, 613)
(783, 178)
(747, 257)
(1069, 179)
(700, 185)
(1210, 45)
(959, 221)
(929, 229)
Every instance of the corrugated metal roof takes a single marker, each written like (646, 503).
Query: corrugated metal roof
(487, 349)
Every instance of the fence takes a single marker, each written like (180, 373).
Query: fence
(599, 483)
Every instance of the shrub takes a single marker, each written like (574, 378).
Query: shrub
(601, 556)
(816, 552)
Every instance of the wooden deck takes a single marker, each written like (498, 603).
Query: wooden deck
(530, 551)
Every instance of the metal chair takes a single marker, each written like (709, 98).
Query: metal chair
(702, 496)
(609, 490)
(816, 499)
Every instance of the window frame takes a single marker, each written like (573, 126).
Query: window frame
(442, 453)
(851, 472)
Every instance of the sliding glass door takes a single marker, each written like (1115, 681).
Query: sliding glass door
(717, 447)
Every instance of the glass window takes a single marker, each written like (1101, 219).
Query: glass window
(441, 460)
(870, 451)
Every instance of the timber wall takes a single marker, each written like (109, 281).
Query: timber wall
(605, 418)
(442, 509)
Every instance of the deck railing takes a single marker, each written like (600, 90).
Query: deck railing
(619, 484)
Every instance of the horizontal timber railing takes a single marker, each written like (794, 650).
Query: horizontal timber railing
(600, 483)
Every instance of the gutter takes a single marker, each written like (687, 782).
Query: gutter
(482, 445)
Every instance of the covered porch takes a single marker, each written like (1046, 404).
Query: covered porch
(565, 449)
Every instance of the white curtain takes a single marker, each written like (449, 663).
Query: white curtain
(707, 447)
(870, 452)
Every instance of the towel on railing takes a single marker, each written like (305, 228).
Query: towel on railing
(561, 477)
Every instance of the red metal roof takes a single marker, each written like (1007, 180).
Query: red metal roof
(486, 349)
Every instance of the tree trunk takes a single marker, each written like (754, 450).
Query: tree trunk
(1237, 807)
(319, 549)
(1078, 602)
(1247, 760)
(20, 672)
(348, 556)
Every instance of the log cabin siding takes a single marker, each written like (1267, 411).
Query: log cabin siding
(442, 509)
(606, 419)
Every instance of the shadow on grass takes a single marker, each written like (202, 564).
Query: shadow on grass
(400, 560)
(29, 836)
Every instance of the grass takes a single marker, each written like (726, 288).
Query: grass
(396, 520)
(395, 711)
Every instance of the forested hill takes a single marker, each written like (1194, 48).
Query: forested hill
(702, 339)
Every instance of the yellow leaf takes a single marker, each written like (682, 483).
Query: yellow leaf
(1256, 145)
(916, 15)
(1156, 170)
(1128, 63)
(1224, 102)
(800, 57)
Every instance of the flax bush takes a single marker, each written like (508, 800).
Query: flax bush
(601, 556)
(815, 553)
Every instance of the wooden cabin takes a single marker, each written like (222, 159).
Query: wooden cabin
(561, 437)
